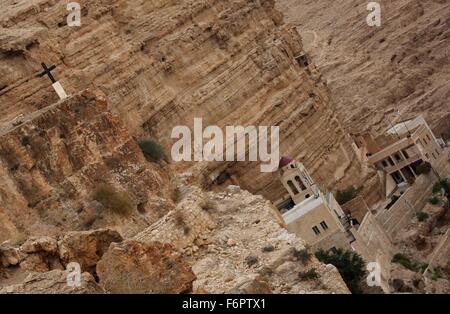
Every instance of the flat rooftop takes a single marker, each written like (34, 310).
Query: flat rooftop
(303, 208)
(406, 127)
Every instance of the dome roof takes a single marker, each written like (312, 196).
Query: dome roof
(284, 161)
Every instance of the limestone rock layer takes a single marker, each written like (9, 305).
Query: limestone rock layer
(160, 64)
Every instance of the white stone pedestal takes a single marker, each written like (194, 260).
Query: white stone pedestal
(59, 90)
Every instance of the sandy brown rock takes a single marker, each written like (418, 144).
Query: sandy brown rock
(229, 252)
(86, 248)
(135, 267)
(53, 282)
(9, 255)
(162, 65)
(52, 163)
(374, 71)
(252, 286)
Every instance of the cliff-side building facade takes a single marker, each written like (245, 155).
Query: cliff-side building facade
(406, 145)
(308, 212)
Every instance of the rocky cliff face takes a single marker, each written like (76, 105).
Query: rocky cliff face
(229, 242)
(52, 162)
(236, 243)
(373, 71)
(160, 64)
(151, 66)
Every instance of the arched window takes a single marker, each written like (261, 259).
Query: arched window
(300, 183)
(292, 187)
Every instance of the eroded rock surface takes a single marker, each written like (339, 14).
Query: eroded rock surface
(241, 246)
(46, 254)
(135, 267)
(374, 71)
(52, 163)
(160, 65)
(53, 282)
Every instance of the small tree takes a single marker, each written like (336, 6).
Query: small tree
(308, 275)
(423, 168)
(302, 255)
(403, 260)
(347, 195)
(350, 265)
(434, 200)
(421, 216)
(152, 150)
(443, 185)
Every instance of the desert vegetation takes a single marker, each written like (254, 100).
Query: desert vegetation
(112, 199)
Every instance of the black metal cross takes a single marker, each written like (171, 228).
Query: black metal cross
(47, 71)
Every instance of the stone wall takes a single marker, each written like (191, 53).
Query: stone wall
(357, 207)
(440, 255)
(374, 245)
(443, 164)
(412, 201)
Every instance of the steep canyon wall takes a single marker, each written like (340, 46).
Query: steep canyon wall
(161, 63)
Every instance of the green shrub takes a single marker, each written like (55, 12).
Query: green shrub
(347, 195)
(152, 150)
(434, 200)
(423, 168)
(404, 261)
(350, 265)
(423, 267)
(308, 275)
(25, 140)
(421, 216)
(436, 273)
(443, 185)
(302, 255)
(110, 198)
(176, 195)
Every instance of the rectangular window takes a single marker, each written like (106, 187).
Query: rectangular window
(437, 152)
(434, 157)
(324, 225)
(316, 230)
(390, 161)
(428, 137)
(406, 154)
(425, 141)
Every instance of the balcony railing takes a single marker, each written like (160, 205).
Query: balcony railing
(402, 164)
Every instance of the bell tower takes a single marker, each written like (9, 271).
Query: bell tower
(296, 180)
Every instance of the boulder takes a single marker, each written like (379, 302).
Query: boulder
(41, 263)
(252, 286)
(86, 247)
(41, 244)
(9, 255)
(136, 267)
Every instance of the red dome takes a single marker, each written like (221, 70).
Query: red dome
(284, 161)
